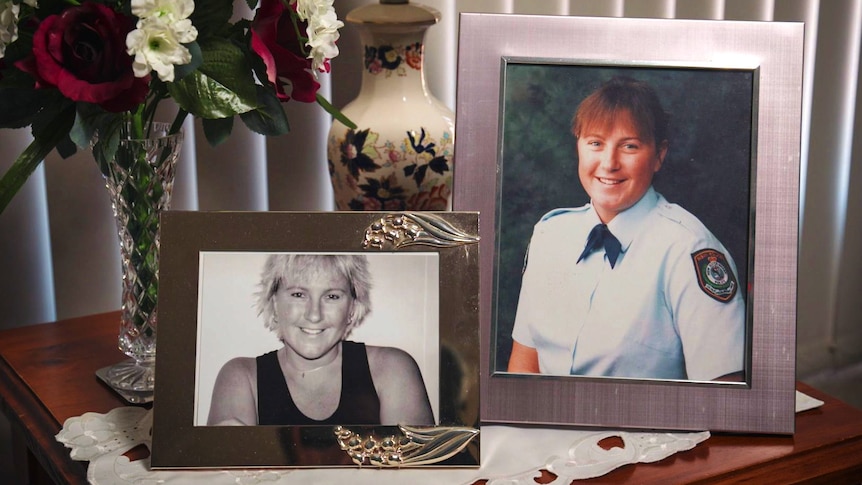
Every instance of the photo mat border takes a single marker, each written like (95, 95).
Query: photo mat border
(775, 50)
(178, 443)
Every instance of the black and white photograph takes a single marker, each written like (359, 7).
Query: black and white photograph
(314, 339)
(317, 339)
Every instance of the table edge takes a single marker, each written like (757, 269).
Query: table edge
(41, 426)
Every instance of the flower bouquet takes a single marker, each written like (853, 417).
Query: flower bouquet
(90, 75)
(83, 74)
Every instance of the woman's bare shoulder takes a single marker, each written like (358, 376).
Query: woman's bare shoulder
(400, 387)
(239, 367)
(234, 399)
(241, 363)
(379, 356)
(391, 365)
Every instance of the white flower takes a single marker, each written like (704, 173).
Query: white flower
(173, 9)
(321, 40)
(303, 8)
(8, 25)
(322, 30)
(163, 26)
(158, 46)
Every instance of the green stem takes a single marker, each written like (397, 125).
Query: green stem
(178, 121)
(149, 113)
(301, 39)
(338, 115)
(135, 120)
(43, 142)
(21, 170)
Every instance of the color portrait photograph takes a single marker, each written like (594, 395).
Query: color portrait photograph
(624, 218)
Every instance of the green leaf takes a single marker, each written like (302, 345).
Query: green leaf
(22, 47)
(18, 107)
(50, 7)
(211, 16)
(222, 86)
(89, 119)
(269, 119)
(66, 148)
(183, 70)
(45, 138)
(217, 131)
(107, 142)
(13, 77)
(338, 115)
(20, 102)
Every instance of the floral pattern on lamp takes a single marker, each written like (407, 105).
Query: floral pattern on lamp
(413, 173)
(400, 156)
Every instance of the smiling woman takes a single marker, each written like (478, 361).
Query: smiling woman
(667, 304)
(312, 302)
(616, 161)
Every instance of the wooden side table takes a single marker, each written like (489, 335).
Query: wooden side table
(47, 375)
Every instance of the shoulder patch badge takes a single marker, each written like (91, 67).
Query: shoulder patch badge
(714, 275)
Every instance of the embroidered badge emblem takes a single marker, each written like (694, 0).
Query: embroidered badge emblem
(714, 275)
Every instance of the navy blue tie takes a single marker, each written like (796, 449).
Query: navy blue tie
(599, 237)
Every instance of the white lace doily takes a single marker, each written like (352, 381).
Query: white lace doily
(102, 439)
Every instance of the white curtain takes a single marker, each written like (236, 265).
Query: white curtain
(58, 250)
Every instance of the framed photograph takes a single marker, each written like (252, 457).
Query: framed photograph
(638, 181)
(317, 339)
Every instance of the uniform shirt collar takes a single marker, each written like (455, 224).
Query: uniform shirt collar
(627, 223)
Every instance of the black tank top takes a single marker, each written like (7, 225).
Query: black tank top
(358, 403)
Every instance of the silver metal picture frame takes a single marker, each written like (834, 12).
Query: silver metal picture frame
(733, 91)
(419, 277)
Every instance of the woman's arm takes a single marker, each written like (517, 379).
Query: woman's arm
(400, 388)
(523, 359)
(234, 400)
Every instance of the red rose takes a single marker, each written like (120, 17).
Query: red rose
(274, 39)
(82, 52)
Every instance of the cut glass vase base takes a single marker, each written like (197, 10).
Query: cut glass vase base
(128, 393)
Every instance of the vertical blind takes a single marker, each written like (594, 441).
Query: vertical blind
(58, 247)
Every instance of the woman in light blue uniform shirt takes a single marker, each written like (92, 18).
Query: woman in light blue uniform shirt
(629, 285)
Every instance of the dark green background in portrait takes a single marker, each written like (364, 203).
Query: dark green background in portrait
(707, 169)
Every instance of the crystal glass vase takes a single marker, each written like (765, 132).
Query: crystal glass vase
(140, 179)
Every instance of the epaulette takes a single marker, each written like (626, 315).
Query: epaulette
(556, 212)
(684, 218)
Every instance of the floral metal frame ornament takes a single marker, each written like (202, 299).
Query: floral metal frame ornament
(425, 267)
(760, 65)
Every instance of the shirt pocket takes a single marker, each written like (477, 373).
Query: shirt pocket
(561, 308)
